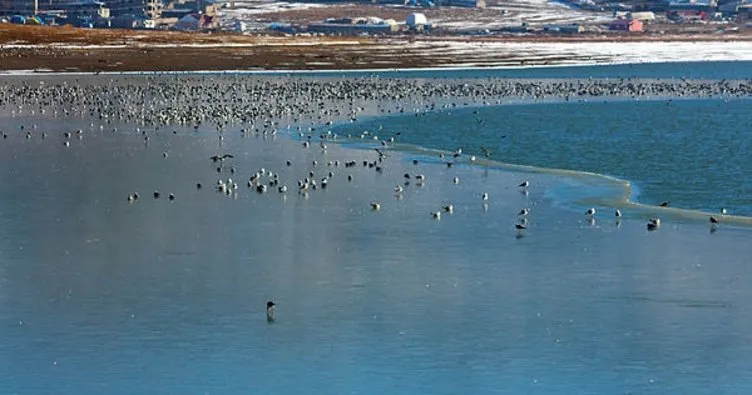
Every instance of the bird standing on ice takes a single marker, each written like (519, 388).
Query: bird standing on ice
(270, 311)
(486, 152)
(714, 224)
(218, 158)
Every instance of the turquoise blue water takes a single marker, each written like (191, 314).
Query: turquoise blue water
(101, 296)
(692, 153)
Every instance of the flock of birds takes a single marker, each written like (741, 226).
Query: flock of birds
(262, 104)
(307, 183)
(263, 179)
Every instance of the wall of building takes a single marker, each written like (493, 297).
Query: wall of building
(351, 29)
(135, 7)
(22, 7)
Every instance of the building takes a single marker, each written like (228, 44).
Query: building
(641, 5)
(85, 9)
(185, 7)
(692, 5)
(148, 8)
(369, 25)
(196, 22)
(416, 21)
(333, 28)
(744, 12)
(626, 25)
(21, 7)
(572, 28)
(687, 16)
(642, 16)
(151, 9)
(521, 28)
(284, 28)
(463, 3)
(125, 21)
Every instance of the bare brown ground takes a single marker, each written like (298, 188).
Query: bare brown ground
(39, 48)
(20, 34)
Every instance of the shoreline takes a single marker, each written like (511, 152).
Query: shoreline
(344, 71)
(384, 72)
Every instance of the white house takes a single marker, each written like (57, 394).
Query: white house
(416, 21)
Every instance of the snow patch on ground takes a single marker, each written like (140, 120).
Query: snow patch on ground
(263, 7)
(508, 13)
(598, 52)
(250, 11)
(534, 13)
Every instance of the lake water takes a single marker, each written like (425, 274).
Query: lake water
(98, 295)
(693, 153)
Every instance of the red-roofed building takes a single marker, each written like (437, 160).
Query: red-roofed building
(626, 25)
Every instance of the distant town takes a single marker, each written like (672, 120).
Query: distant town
(414, 16)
